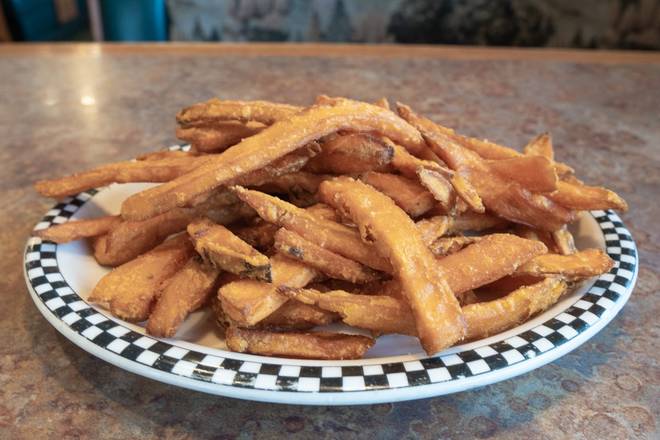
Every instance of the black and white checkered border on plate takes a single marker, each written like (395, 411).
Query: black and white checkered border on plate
(57, 296)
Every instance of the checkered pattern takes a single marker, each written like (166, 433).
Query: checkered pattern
(53, 291)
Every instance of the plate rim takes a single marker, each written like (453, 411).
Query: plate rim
(344, 384)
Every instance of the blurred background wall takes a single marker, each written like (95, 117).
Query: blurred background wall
(620, 24)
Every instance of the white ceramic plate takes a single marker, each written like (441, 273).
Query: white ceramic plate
(59, 278)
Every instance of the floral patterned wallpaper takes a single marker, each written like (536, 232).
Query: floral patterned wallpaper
(623, 24)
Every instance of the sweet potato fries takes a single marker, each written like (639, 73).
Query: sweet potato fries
(283, 218)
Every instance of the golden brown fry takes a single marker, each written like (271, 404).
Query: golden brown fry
(77, 229)
(488, 318)
(439, 187)
(218, 246)
(156, 170)
(186, 291)
(130, 289)
(330, 235)
(541, 145)
(444, 246)
(263, 148)
(321, 210)
(247, 302)
(378, 313)
(317, 345)
(582, 197)
(294, 315)
(535, 173)
(432, 228)
(487, 260)
(351, 153)
(215, 110)
(408, 194)
(506, 198)
(217, 136)
(580, 265)
(436, 310)
(564, 241)
(289, 163)
(333, 265)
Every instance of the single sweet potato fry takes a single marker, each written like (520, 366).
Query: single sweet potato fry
(488, 318)
(408, 194)
(535, 173)
(317, 345)
(580, 265)
(436, 310)
(487, 260)
(378, 313)
(585, 198)
(186, 291)
(351, 153)
(156, 170)
(77, 229)
(219, 247)
(247, 302)
(215, 110)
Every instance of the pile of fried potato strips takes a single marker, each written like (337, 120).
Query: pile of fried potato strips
(282, 219)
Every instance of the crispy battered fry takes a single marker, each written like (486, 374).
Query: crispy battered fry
(247, 302)
(217, 136)
(541, 145)
(317, 345)
(351, 153)
(186, 291)
(444, 246)
(487, 260)
(331, 264)
(130, 289)
(408, 194)
(215, 110)
(77, 229)
(263, 148)
(580, 265)
(535, 173)
(436, 310)
(378, 313)
(582, 197)
(439, 187)
(218, 246)
(506, 198)
(330, 235)
(432, 228)
(294, 315)
(488, 318)
(156, 170)
(321, 210)
(564, 241)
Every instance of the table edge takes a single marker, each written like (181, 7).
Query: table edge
(338, 50)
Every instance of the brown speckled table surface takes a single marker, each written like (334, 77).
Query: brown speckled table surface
(66, 108)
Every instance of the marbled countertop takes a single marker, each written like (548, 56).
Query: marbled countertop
(66, 108)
